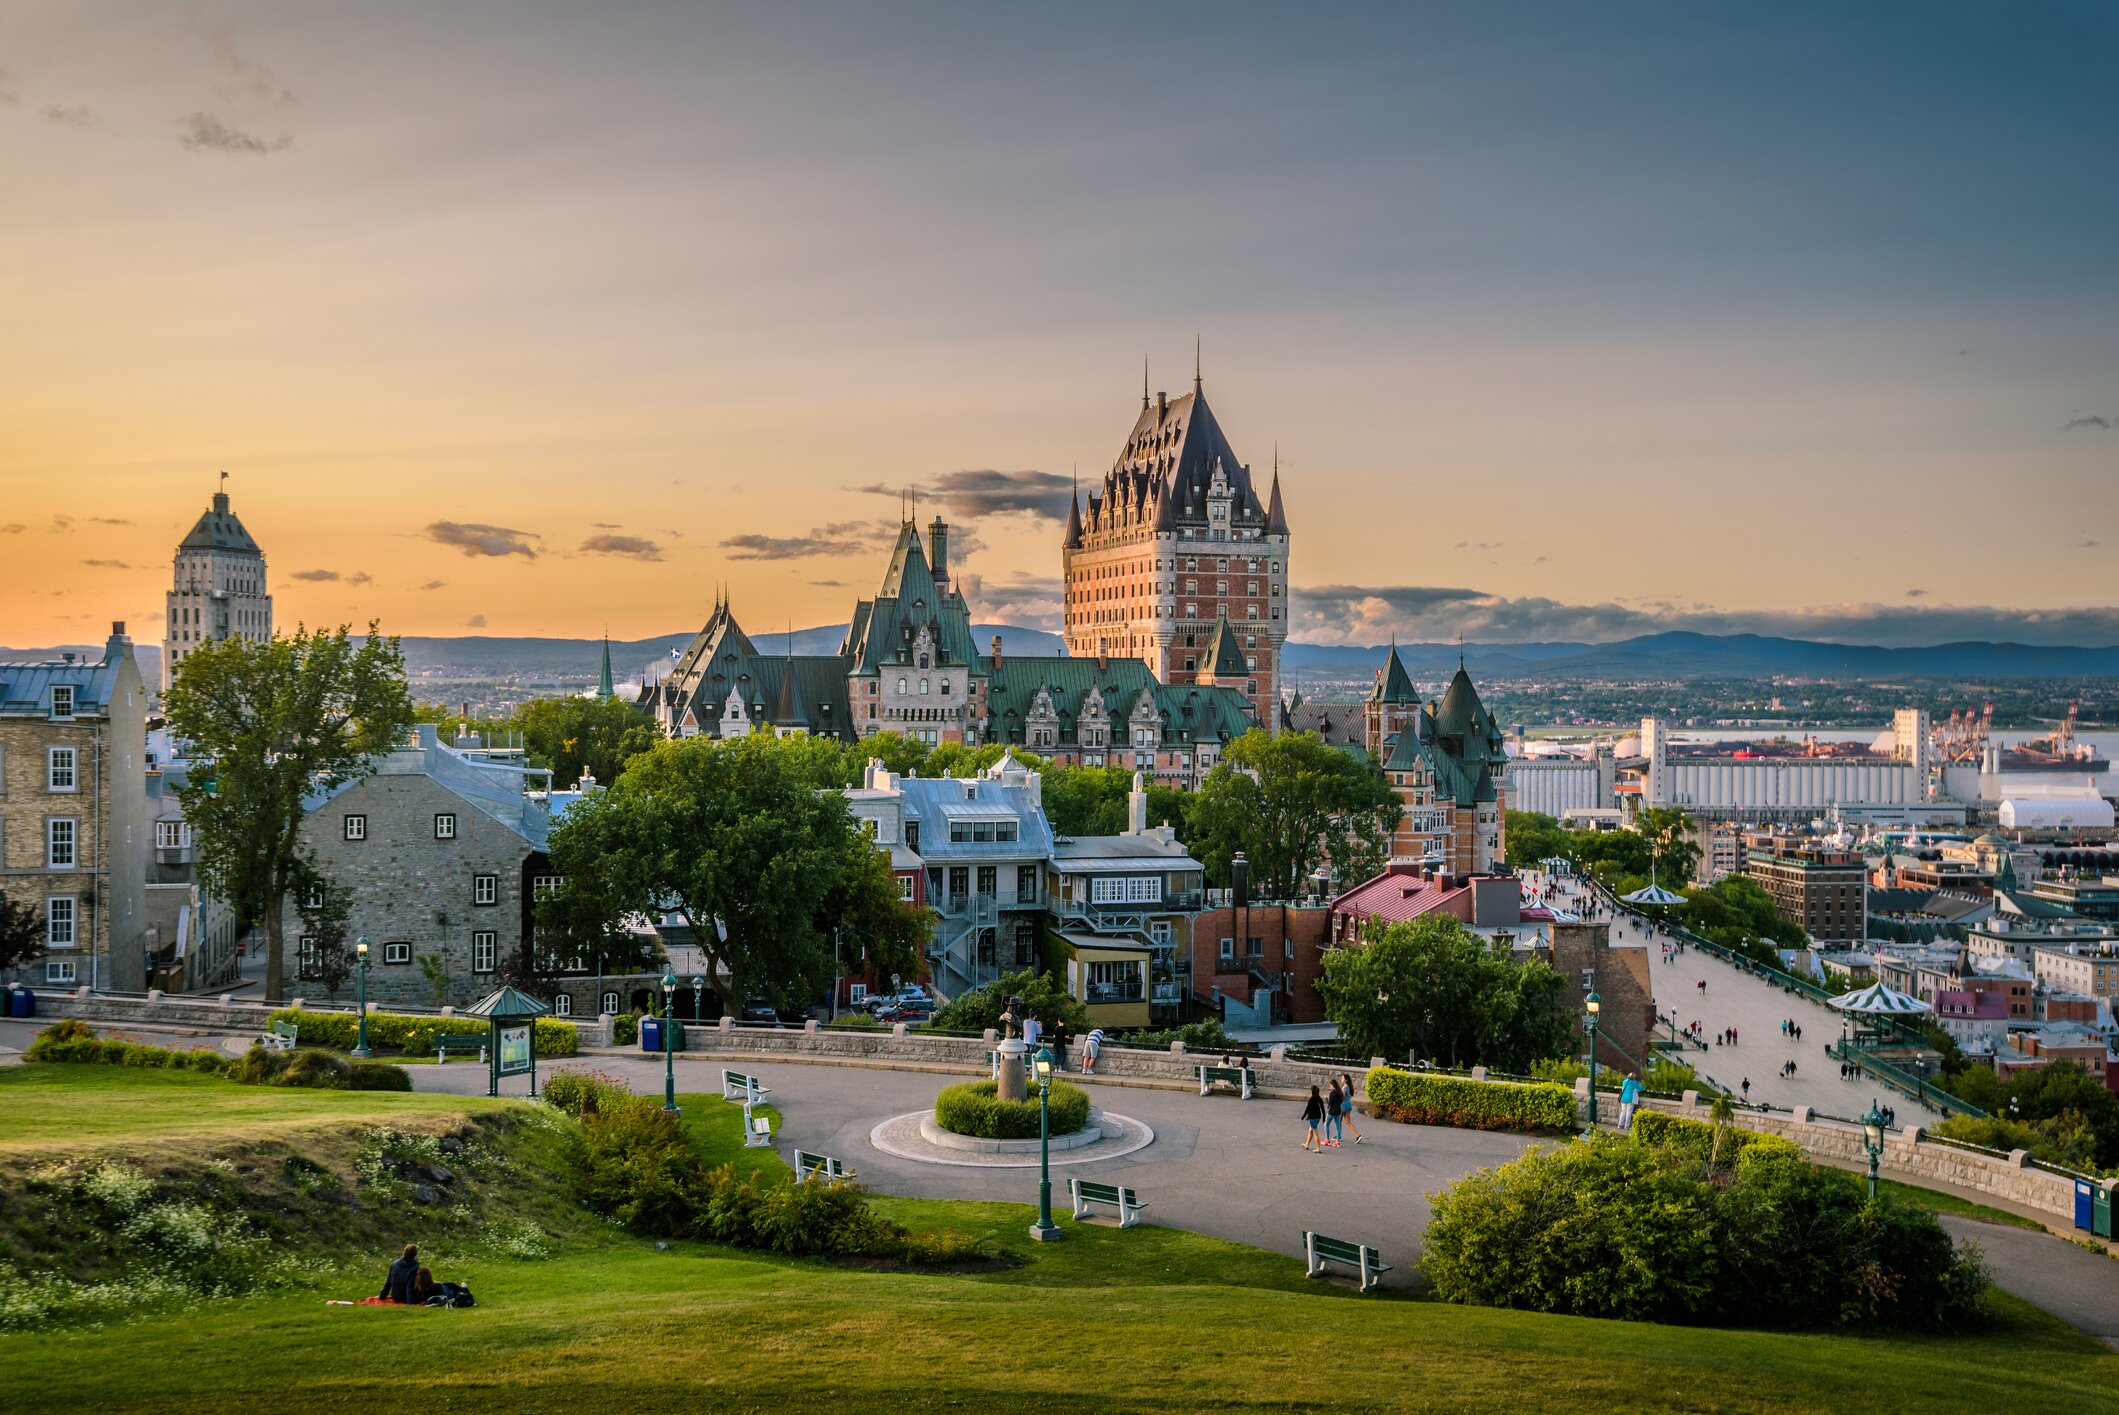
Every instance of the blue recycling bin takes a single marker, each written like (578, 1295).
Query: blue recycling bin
(651, 1034)
(2085, 1205)
(21, 1002)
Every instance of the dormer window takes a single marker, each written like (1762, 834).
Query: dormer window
(62, 700)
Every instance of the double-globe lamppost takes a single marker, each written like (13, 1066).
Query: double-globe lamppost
(669, 1041)
(1044, 1230)
(1593, 1004)
(1872, 1133)
(360, 999)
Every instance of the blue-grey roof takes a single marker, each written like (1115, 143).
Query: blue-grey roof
(933, 800)
(496, 789)
(25, 687)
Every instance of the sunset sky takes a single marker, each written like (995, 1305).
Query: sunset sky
(1570, 321)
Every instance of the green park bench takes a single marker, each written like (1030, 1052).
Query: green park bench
(465, 1043)
(736, 1086)
(809, 1166)
(1088, 1191)
(280, 1036)
(1237, 1076)
(1358, 1256)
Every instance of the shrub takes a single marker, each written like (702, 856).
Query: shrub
(583, 1091)
(66, 1029)
(378, 1076)
(70, 1041)
(1696, 1138)
(975, 1108)
(625, 1029)
(1205, 1035)
(1616, 1227)
(634, 1163)
(1415, 1098)
(259, 1066)
(316, 1070)
(393, 1031)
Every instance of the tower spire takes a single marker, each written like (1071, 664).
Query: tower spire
(604, 688)
(1144, 383)
(1195, 362)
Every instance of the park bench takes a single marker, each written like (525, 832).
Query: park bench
(736, 1086)
(466, 1042)
(280, 1036)
(1237, 1076)
(809, 1166)
(757, 1130)
(1358, 1256)
(1088, 1191)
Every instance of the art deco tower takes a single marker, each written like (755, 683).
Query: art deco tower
(218, 590)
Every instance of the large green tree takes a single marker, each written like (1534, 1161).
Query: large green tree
(570, 735)
(1291, 803)
(735, 839)
(1533, 837)
(21, 932)
(267, 724)
(1042, 998)
(1433, 989)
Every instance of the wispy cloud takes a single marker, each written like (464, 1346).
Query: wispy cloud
(13, 528)
(989, 492)
(1479, 545)
(829, 584)
(435, 585)
(475, 539)
(208, 133)
(635, 547)
(476, 621)
(1915, 594)
(359, 577)
(108, 564)
(62, 523)
(1030, 601)
(605, 525)
(77, 115)
(2092, 420)
(108, 521)
(840, 538)
(250, 80)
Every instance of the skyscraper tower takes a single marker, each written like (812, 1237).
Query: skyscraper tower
(218, 590)
(1176, 541)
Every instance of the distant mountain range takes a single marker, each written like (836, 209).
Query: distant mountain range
(1672, 655)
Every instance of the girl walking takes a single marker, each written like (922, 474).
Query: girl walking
(1346, 1104)
(1332, 1101)
(1313, 1116)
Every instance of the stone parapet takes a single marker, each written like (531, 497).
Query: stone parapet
(227, 1014)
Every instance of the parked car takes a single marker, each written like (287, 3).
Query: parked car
(760, 1012)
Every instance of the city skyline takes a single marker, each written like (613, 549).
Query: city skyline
(536, 328)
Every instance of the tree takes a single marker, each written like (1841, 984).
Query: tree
(1533, 837)
(21, 932)
(1041, 994)
(325, 907)
(570, 735)
(1290, 803)
(731, 837)
(435, 969)
(270, 723)
(1672, 848)
(1431, 988)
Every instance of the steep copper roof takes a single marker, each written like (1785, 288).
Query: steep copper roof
(219, 529)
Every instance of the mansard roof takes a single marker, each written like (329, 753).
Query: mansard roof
(884, 629)
(219, 529)
(1459, 741)
(1186, 714)
(804, 690)
(1163, 472)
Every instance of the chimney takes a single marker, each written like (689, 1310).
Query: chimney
(1103, 654)
(996, 653)
(220, 503)
(117, 628)
(938, 548)
(1162, 407)
(1240, 881)
(1137, 807)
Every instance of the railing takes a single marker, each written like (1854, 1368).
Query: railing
(1114, 992)
(1918, 1089)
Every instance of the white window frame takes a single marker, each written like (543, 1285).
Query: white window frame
(60, 970)
(172, 835)
(62, 921)
(485, 891)
(542, 886)
(356, 828)
(62, 843)
(1228, 950)
(485, 950)
(857, 994)
(397, 953)
(62, 701)
(610, 1001)
(562, 1005)
(305, 958)
(445, 825)
(908, 888)
(58, 778)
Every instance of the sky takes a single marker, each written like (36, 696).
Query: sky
(1567, 321)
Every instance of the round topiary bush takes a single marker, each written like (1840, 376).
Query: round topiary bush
(975, 1108)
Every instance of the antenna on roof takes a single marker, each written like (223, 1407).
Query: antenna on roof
(1460, 648)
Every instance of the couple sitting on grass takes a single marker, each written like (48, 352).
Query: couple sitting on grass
(409, 1285)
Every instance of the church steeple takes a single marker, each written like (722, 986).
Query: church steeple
(603, 681)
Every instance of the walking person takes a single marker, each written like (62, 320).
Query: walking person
(1747, 1088)
(1332, 1130)
(1313, 1116)
(1346, 1104)
(1060, 1039)
(1629, 1097)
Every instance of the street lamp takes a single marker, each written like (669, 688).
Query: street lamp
(1044, 1230)
(698, 995)
(1872, 1130)
(360, 999)
(669, 1048)
(1595, 1004)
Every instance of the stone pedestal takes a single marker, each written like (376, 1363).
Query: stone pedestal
(1011, 1081)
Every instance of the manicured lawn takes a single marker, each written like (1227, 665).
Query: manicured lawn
(43, 1104)
(1943, 1203)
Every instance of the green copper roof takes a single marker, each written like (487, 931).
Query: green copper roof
(1458, 741)
(1395, 686)
(1184, 714)
(603, 680)
(510, 1001)
(1225, 659)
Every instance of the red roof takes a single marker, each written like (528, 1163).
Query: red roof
(1972, 1006)
(1397, 895)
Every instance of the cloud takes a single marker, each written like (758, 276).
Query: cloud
(839, 538)
(2092, 420)
(108, 564)
(673, 535)
(1479, 545)
(434, 584)
(1028, 601)
(634, 546)
(1436, 614)
(208, 133)
(988, 492)
(476, 621)
(605, 525)
(1915, 594)
(13, 528)
(75, 116)
(475, 538)
(2087, 545)
(62, 523)
(252, 80)
(361, 577)
(108, 521)
(829, 584)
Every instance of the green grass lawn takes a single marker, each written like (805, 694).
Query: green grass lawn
(69, 1105)
(1941, 1203)
(1140, 1320)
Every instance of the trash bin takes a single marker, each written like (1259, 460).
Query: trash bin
(651, 1034)
(2101, 1215)
(2085, 1205)
(21, 1002)
(676, 1036)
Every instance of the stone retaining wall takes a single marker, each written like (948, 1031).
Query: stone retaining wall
(229, 1014)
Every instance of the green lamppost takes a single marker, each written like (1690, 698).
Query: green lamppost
(360, 999)
(669, 1041)
(698, 995)
(1594, 1004)
(1872, 1130)
(1044, 1230)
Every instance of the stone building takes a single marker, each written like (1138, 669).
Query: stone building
(73, 813)
(1176, 541)
(218, 588)
(1448, 763)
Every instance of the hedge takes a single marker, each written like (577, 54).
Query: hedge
(1676, 1132)
(1413, 1098)
(70, 1041)
(975, 1108)
(395, 1031)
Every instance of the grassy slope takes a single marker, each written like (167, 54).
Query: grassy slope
(1142, 1320)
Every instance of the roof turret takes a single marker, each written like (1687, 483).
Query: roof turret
(1225, 659)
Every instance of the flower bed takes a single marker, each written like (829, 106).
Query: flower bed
(976, 1109)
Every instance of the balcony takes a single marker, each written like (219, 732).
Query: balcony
(1181, 901)
(1114, 992)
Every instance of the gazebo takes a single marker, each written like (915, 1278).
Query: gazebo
(512, 1015)
(1874, 1004)
(1654, 894)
